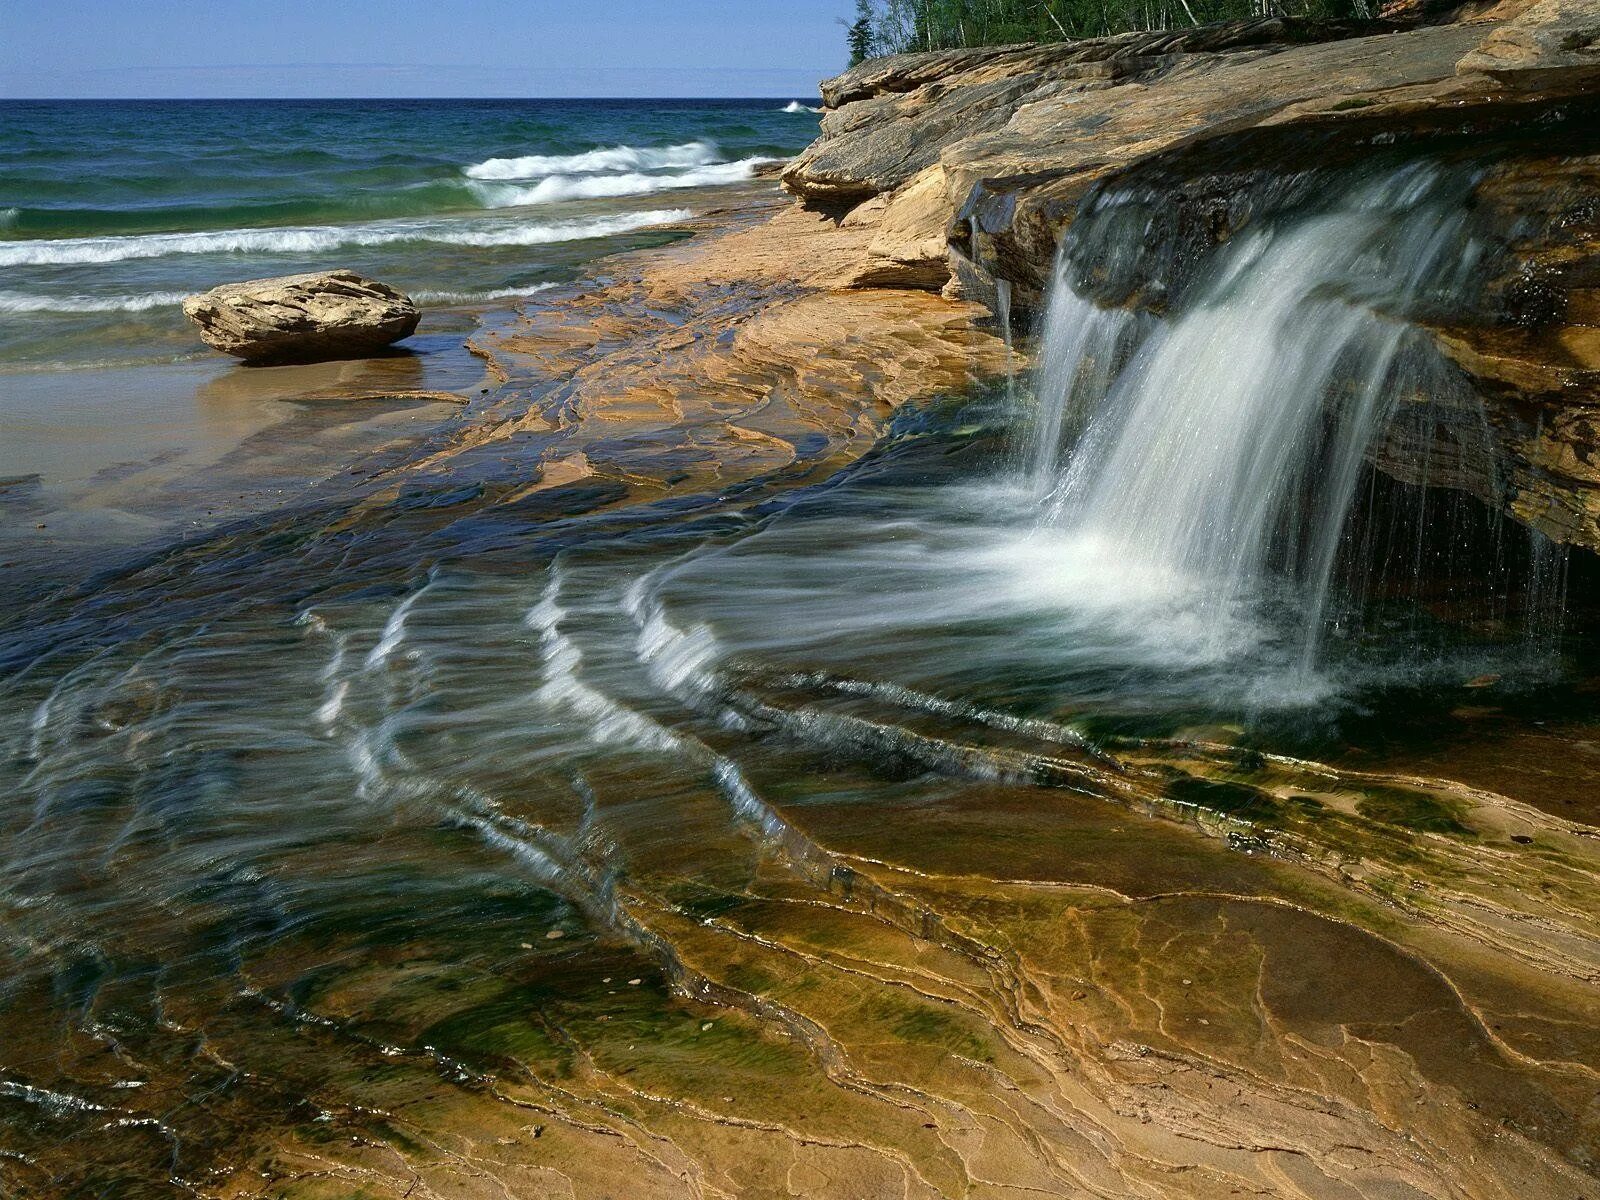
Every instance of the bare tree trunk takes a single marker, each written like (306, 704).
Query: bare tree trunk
(1044, 7)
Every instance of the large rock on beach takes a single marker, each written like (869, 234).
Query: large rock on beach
(303, 318)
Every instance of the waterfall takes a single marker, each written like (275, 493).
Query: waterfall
(1209, 458)
(1002, 316)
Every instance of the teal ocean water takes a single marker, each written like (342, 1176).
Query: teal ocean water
(112, 211)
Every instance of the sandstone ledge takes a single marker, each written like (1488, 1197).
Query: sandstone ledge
(973, 164)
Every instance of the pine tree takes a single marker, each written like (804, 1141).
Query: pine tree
(892, 26)
(859, 36)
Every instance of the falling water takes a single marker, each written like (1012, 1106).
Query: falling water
(1002, 303)
(1217, 451)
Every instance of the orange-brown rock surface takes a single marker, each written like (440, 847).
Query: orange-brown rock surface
(978, 161)
(750, 350)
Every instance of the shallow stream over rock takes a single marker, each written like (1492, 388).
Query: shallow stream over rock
(782, 830)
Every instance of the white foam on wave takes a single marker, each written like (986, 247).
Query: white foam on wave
(315, 238)
(680, 662)
(28, 302)
(432, 297)
(794, 106)
(594, 162)
(632, 183)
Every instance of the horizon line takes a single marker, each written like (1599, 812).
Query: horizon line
(347, 99)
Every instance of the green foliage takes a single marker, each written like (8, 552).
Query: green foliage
(894, 26)
(859, 35)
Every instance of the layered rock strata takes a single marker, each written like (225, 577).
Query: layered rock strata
(975, 163)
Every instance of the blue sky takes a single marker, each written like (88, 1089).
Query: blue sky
(133, 48)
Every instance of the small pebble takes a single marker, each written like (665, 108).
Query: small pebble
(635, 982)
(705, 1027)
(554, 934)
(527, 945)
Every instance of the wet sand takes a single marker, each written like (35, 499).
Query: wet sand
(98, 460)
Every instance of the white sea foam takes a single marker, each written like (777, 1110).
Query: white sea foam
(432, 297)
(316, 238)
(26, 302)
(631, 183)
(593, 162)
(794, 106)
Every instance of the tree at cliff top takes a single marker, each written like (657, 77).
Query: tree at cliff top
(893, 26)
(860, 34)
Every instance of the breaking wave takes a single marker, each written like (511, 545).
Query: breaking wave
(313, 239)
(27, 302)
(632, 183)
(436, 297)
(592, 162)
(794, 106)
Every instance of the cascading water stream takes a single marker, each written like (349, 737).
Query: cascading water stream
(1215, 453)
(1002, 296)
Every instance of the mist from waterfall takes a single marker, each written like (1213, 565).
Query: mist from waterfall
(1198, 470)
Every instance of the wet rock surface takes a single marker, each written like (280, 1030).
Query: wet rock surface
(500, 826)
(995, 152)
(303, 318)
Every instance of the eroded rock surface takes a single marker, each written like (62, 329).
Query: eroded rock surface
(303, 318)
(979, 161)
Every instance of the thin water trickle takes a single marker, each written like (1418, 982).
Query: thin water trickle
(1002, 293)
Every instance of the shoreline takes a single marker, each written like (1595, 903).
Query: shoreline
(576, 363)
(185, 448)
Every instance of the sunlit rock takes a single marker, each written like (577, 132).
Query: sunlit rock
(303, 318)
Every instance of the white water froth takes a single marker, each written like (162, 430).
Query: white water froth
(612, 159)
(394, 630)
(432, 297)
(28, 302)
(1223, 457)
(794, 106)
(563, 689)
(675, 662)
(318, 238)
(555, 188)
(333, 704)
(678, 661)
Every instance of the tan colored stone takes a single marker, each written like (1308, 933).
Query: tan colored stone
(303, 318)
(1554, 36)
(910, 249)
